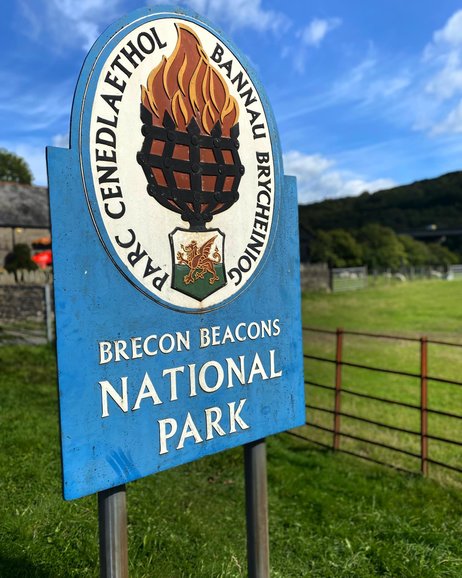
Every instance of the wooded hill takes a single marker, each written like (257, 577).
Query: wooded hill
(416, 206)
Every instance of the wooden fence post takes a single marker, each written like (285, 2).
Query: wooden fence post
(338, 388)
(423, 405)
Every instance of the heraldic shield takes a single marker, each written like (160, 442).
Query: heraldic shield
(198, 267)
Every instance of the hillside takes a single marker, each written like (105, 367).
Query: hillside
(432, 201)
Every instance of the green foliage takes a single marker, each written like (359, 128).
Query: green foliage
(337, 248)
(382, 248)
(440, 255)
(14, 168)
(19, 260)
(432, 201)
(406, 208)
(377, 247)
(417, 253)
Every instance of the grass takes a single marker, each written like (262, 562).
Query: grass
(25, 331)
(408, 308)
(428, 308)
(330, 515)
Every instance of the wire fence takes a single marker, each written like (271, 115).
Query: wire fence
(378, 419)
(348, 279)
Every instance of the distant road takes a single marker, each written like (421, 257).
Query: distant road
(433, 233)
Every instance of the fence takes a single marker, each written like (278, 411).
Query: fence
(454, 272)
(422, 432)
(348, 279)
(314, 277)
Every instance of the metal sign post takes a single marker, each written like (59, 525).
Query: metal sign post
(113, 544)
(256, 499)
(176, 268)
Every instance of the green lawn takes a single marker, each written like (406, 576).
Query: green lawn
(411, 308)
(330, 515)
(430, 308)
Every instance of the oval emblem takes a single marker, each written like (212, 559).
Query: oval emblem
(178, 164)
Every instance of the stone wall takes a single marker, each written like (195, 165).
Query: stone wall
(23, 302)
(314, 277)
(36, 277)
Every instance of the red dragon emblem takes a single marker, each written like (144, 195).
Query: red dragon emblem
(198, 261)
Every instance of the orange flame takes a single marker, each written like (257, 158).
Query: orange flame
(186, 86)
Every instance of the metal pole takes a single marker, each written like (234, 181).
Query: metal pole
(256, 498)
(48, 313)
(423, 405)
(338, 388)
(113, 544)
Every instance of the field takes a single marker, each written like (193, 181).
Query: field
(427, 308)
(330, 515)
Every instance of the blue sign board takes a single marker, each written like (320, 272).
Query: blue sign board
(175, 249)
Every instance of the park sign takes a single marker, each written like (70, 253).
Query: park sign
(175, 245)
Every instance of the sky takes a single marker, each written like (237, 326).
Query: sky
(367, 95)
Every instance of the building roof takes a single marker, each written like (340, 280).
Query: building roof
(24, 206)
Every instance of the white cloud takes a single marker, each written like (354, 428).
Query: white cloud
(309, 37)
(452, 123)
(443, 58)
(69, 22)
(61, 140)
(318, 179)
(80, 23)
(239, 14)
(317, 30)
(451, 33)
(447, 82)
(32, 114)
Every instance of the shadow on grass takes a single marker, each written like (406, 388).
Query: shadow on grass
(20, 568)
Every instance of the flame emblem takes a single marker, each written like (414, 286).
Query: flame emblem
(190, 122)
(186, 86)
(190, 158)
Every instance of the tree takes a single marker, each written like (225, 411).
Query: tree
(337, 248)
(417, 253)
(19, 260)
(14, 169)
(381, 247)
(441, 256)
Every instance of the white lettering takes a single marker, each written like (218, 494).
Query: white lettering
(213, 424)
(234, 416)
(172, 373)
(189, 430)
(163, 435)
(121, 399)
(147, 389)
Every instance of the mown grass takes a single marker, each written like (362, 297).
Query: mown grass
(429, 308)
(330, 515)
(408, 308)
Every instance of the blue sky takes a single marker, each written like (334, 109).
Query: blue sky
(366, 94)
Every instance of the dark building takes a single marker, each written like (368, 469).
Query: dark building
(24, 216)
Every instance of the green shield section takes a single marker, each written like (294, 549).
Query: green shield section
(199, 288)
